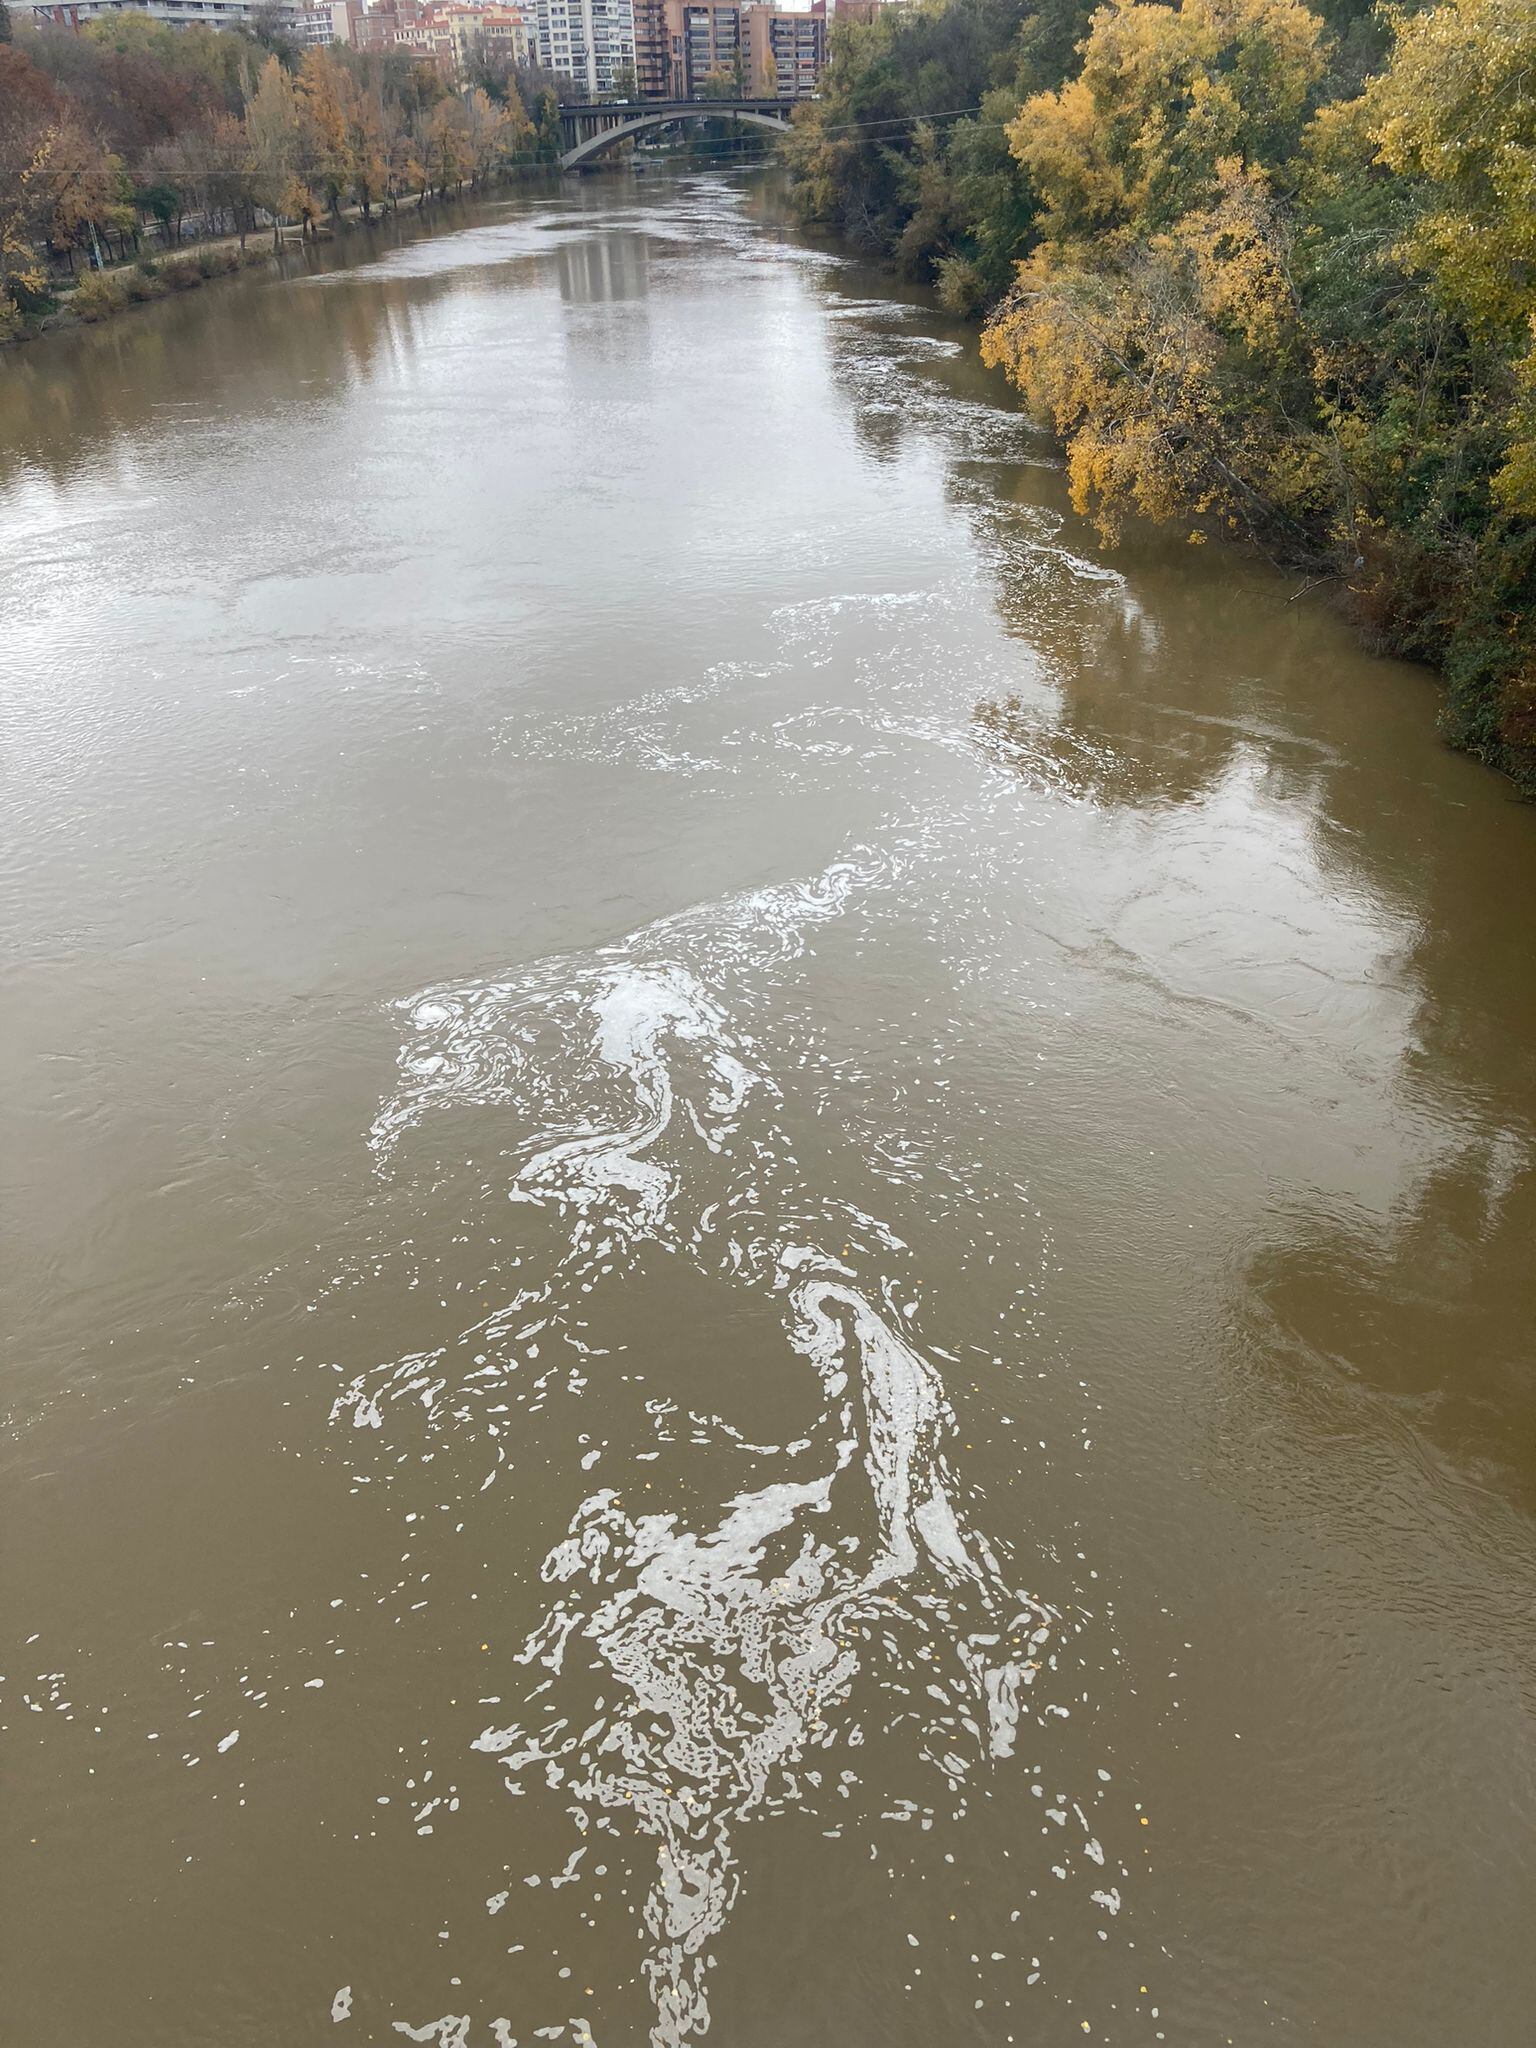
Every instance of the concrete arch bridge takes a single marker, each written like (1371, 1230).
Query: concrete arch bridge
(589, 130)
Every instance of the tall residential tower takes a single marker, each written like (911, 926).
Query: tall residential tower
(590, 42)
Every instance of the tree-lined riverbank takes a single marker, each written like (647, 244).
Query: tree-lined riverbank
(1267, 271)
(115, 139)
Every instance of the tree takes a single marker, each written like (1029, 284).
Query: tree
(945, 198)
(134, 81)
(272, 132)
(89, 189)
(1146, 368)
(29, 117)
(367, 146)
(167, 185)
(1166, 95)
(1162, 286)
(269, 27)
(325, 152)
(445, 147)
(57, 182)
(403, 168)
(231, 186)
(548, 132)
(1455, 111)
(485, 134)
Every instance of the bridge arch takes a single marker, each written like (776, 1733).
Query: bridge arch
(663, 117)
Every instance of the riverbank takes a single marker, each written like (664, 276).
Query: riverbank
(1304, 321)
(129, 121)
(103, 294)
(119, 288)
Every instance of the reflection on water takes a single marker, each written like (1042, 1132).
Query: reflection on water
(1386, 1307)
(603, 268)
(1388, 1292)
(769, 1235)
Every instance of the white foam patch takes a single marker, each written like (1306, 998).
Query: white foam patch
(689, 1670)
(729, 1655)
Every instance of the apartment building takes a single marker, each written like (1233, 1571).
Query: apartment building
(321, 22)
(310, 23)
(788, 52)
(767, 52)
(705, 39)
(651, 48)
(378, 27)
(453, 33)
(589, 42)
(503, 31)
(178, 13)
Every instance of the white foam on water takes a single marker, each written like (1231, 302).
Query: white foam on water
(690, 1671)
(730, 1656)
(478, 1043)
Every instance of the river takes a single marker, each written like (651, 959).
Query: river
(770, 1236)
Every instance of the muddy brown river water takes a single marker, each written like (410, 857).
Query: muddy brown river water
(771, 1240)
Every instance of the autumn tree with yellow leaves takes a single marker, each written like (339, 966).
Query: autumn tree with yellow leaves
(1164, 97)
(1455, 114)
(273, 130)
(57, 181)
(1163, 284)
(1256, 309)
(1268, 268)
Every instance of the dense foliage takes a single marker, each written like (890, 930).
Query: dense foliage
(132, 125)
(906, 151)
(1268, 272)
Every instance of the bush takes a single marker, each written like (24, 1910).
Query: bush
(962, 286)
(99, 295)
(144, 283)
(1490, 669)
(182, 273)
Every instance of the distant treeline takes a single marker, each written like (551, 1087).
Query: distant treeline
(1268, 272)
(131, 128)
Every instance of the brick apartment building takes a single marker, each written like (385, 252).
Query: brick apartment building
(446, 34)
(767, 52)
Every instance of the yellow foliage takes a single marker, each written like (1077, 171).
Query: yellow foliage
(24, 199)
(1129, 363)
(272, 134)
(1240, 256)
(1455, 107)
(1164, 96)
